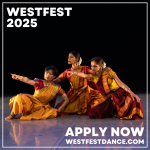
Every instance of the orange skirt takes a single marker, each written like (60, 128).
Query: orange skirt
(30, 108)
(81, 101)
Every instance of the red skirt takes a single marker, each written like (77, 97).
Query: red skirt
(120, 104)
(103, 110)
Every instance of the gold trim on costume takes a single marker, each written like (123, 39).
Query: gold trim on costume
(76, 93)
(80, 88)
(75, 81)
(124, 108)
(46, 94)
(105, 81)
(81, 80)
(100, 99)
(134, 111)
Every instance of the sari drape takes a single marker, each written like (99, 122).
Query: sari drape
(35, 106)
(120, 102)
(81, 96)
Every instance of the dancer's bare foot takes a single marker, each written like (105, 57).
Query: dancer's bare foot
(10, 117)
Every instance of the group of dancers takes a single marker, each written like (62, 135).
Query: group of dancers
(95, 91)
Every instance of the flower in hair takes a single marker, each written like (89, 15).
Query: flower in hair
(104, 65)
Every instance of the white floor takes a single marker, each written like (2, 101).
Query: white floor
(51, 133)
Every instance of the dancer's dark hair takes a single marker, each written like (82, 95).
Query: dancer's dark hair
(75, 54)
(54, 69)
(98, 60)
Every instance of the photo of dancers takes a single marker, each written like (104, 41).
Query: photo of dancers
(75, 75)
(97, 92)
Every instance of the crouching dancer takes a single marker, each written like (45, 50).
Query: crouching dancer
(37, 106)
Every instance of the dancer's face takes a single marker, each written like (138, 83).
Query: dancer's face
(95, 67)
(48, 75)
(72, 59)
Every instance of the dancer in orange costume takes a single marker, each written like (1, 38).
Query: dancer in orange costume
(80, 94)
(37, 106)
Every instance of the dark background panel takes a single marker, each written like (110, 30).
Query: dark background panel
(115, 32)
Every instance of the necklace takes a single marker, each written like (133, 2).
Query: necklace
(47, 84)
(75, 68)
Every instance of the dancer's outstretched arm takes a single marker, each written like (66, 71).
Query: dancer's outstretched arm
(83, 75)
(23, 79)
(80, 74)
(118, 81)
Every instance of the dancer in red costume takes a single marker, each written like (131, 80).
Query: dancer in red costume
(123, 102)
